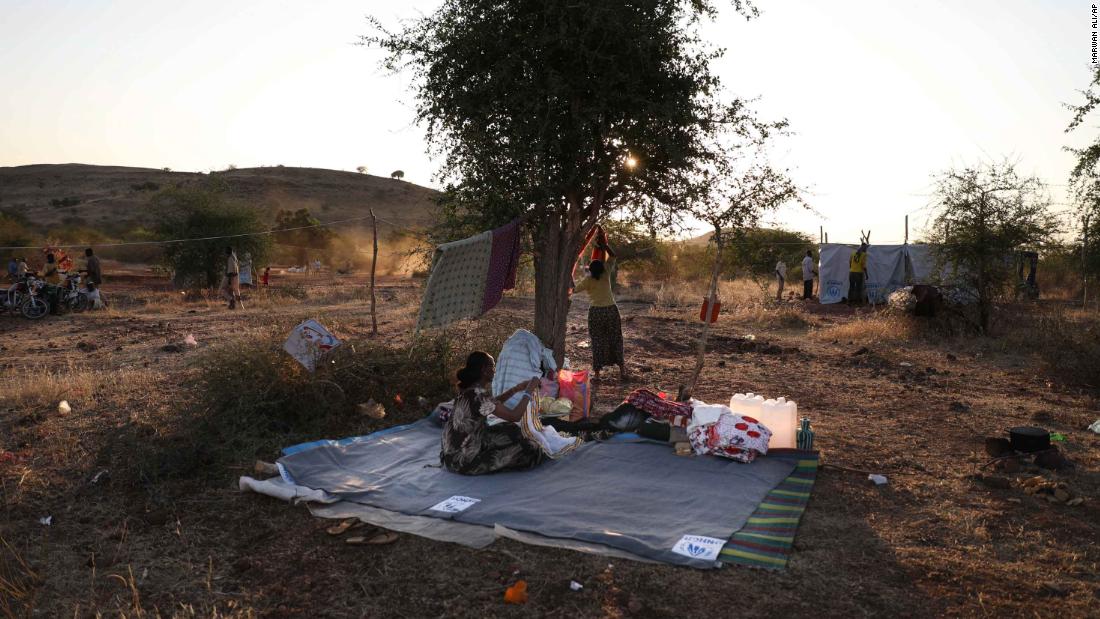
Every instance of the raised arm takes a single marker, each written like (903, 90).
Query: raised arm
(515, 413)
(601, 242)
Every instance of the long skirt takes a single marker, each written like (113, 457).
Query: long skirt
(502, 448)
(605, 329)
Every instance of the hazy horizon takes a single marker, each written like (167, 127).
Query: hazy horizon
(879, 97)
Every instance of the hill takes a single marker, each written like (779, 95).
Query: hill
(114, 199)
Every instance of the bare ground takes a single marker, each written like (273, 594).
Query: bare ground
(931, 542)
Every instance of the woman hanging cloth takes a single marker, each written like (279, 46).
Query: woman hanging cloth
(605, 330)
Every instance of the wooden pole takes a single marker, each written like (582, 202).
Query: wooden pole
(826, 237)
(711, 300)
(821, 234)
(906, 229)
(373, 265)
(1084, 265)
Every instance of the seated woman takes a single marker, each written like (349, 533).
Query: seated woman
(470, 445)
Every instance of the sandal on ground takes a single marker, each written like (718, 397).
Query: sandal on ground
(344, 526)
(381, 538)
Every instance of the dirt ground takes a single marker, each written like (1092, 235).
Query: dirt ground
(933, 541)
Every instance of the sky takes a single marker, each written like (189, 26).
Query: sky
(880, 96)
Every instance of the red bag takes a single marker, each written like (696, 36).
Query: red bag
(713, 310)
(601, 239)
(573, 385)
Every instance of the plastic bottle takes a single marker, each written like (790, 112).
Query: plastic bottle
(787, 435)
(737, 402)
(752, 406)
(770, 417)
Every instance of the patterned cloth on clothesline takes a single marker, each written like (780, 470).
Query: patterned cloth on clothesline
(470, 276)
(503, 261)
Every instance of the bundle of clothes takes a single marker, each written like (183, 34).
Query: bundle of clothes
(711, 429)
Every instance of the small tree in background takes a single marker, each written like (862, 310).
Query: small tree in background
(985, 214)
(361, 169)
(755, 251)
(199, 212)
(14, 232)
(303, 231)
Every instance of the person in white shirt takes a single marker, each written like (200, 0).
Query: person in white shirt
(232, 279)
(808, 275)
(781, 276)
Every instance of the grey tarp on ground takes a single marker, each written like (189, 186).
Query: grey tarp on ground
(640, 498)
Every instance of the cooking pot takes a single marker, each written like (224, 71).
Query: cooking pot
(1029, 439)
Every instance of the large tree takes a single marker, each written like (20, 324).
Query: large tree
(984, 214)
(563, 111)
(201, 222)
(1085, 180)
(302, 231)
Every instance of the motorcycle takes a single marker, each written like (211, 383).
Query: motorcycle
(34, 304)
(72, 296)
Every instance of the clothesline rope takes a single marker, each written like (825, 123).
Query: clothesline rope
(212, 238)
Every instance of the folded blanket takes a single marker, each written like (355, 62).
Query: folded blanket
(716, 430)
(552, 443)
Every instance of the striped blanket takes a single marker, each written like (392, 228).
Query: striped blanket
(767, 539)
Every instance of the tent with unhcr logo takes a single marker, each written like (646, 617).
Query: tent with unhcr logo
(889, 267)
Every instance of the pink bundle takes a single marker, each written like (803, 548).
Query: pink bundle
(733, 436)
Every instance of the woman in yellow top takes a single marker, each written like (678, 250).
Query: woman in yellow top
(605, 329)
(49, 272)
(857, 269)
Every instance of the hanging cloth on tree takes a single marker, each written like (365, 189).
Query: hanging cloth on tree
(503, 261)
(470, 276)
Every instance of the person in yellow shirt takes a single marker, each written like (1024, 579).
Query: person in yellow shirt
(857, 271)
(605, 329)
(50, 273)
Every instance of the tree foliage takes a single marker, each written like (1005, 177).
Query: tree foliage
(303, 232)
(1085, 179)
(199, 213)
(756, 250)
(985, 214)
(563, 111)
(14, 231)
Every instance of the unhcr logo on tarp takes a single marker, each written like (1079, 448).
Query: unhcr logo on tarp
(699, 547)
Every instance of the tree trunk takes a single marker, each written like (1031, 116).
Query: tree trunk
(712, 298)
(557, 243)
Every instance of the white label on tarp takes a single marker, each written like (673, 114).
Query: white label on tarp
(699, 547)
(454, 504)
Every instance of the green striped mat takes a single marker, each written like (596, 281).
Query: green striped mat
(767, 538)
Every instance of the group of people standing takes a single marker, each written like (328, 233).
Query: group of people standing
(239, 272)
(857, 273)
(51, 269)
(52, 272)
(808, 273)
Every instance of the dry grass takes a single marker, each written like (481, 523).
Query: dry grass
(169, 535)
(871, 328)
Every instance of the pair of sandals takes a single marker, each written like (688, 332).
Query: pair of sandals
(370, 536)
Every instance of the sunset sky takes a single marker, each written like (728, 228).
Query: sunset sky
(881, 95)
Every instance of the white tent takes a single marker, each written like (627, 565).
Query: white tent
(889, 267)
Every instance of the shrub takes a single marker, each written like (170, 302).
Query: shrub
(1069, 347)
(251, 398)
(146, 186)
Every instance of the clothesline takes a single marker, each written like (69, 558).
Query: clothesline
(212, 238)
